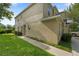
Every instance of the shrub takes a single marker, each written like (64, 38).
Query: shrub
(8, 31)
(5, 31)
(66, 37)
(2, 31)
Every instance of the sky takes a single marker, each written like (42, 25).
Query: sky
(16, 8)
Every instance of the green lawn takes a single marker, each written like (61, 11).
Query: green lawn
(11, 45)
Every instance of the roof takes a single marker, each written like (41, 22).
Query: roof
(25, 9)
(31, 6)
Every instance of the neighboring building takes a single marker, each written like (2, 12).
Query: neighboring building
(67, 22)
(40, 21)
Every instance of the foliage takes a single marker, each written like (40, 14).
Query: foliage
(65, 46)
(10, 27)
(6, 29)
(2, 31)
(73, 11)
(66, 37)
(4, 11)
(74, 27)
(2, 26)
(65, 42)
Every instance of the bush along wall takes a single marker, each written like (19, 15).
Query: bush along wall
(66, 37)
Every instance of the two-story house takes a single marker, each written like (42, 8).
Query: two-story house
(41, 21)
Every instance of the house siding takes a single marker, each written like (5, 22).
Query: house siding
(35, 13)
(47, 31)
(55, 25)
(31, 15)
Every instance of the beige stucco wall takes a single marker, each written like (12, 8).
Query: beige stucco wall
(52, 25)
(55, 25)
(34, 32)
(48, 31)
(43, 33)
(34, 13)
(45, 10)
(51, 30)
(60, 21)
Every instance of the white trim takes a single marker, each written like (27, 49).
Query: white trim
(48, 18)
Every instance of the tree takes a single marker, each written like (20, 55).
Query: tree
(10, 27)
(74, 26)
(5, 12)
(73, 12)
(2, 27)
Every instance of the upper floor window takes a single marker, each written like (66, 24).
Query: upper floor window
(49, 11)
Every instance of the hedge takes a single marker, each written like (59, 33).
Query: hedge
(66, 37)
(5, 31)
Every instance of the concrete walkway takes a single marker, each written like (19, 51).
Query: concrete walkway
(75, 46)
(48, 48)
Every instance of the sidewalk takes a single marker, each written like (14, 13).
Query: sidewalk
(48, 48)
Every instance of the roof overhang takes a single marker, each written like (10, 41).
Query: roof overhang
(52, 17)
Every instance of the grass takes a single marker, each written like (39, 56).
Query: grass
(65, 42)
(11, 45)
(64, 46)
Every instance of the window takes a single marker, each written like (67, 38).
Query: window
(18, 29)
(65, 20)
(21, 29)
(17, 21)
(24, 29)
(49, 11)
(28, 27)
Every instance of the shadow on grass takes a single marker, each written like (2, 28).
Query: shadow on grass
(65, 46)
